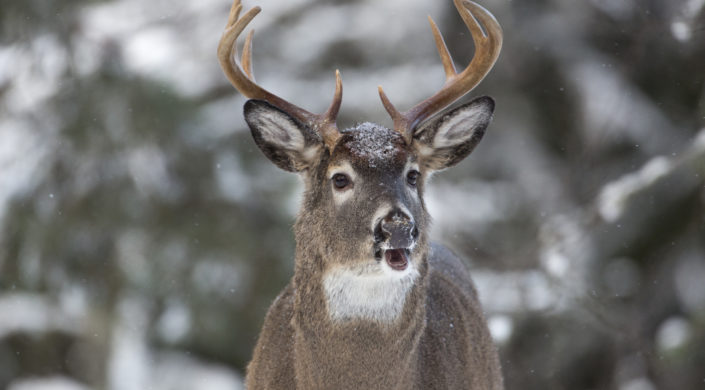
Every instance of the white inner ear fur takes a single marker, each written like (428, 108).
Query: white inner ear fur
(459, 127)
(374, 292)
(423, 150)
(279, 131)
(341, 196)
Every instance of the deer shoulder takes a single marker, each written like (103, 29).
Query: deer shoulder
(272, 360)
(456, 328)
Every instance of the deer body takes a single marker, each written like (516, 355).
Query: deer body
(372, 304)
(442, 344)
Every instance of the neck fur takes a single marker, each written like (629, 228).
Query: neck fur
(339, 340)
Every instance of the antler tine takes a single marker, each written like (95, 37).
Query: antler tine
(327, 127)
(241, 77)
(443, 52)
(234, 14)
(246, 60)
(488, 44)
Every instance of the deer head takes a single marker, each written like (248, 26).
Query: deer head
(363, 205)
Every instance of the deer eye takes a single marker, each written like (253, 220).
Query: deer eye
(412, 177)
(341, 181)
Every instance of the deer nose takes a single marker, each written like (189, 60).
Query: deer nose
(398, 229)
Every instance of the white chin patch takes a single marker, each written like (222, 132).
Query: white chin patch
(372, 292)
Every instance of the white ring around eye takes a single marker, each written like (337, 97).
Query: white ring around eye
(342, 195)
(412, 166)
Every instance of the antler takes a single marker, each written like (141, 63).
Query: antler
(243, 80)
(487, 47)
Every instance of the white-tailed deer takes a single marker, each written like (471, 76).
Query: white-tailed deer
(372, 303)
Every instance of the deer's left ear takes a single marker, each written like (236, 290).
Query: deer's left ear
(446, 140)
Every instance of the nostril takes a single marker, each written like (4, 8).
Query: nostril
(415, 233)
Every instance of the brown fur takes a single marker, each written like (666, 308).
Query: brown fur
(440, 340)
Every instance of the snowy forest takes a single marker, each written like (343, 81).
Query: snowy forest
(143, 235)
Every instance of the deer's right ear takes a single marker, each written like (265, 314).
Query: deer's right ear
(445, 141)
(289, 144)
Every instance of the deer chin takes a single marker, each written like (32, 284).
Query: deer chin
(370, 290)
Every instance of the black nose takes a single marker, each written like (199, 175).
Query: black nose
(398, 229)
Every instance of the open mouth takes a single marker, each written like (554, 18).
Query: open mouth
(398, 259)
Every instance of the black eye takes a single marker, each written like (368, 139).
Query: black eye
(341, 181)
(412, 177)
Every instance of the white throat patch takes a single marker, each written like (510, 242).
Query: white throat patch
(374, 292)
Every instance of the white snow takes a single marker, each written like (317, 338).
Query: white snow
(609, 104)
(501, 327)
(47, 383)
(673, 333)
(24, 312)
(690, 282)
(373, 143)
(177, 371)
(469, 206)
(129, 362)
(614, 196)
(518, 291)
(638, 384)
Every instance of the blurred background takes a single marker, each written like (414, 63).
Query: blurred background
(143, 235)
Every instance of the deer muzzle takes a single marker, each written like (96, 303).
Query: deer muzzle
(397, 234)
